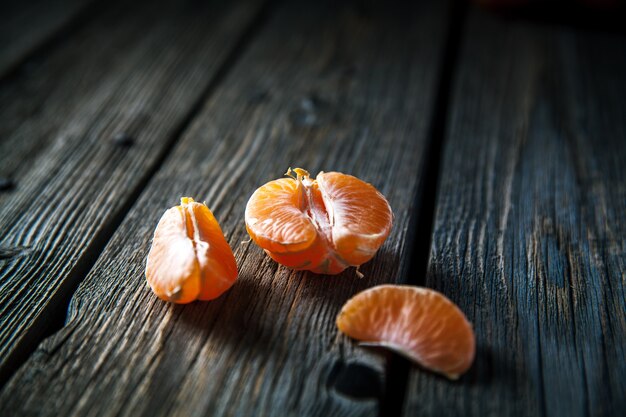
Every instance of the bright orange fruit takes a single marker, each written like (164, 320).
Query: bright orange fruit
(322, 225)
(189, 258)
(418, 323)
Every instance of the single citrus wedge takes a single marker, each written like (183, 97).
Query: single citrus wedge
(418, 323)
(322, 225)
(189, 258)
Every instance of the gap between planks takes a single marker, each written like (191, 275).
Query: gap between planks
(425, 199)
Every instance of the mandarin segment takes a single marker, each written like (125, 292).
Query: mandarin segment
(189, 258)
(322, 225)
(418, 323)
(361, 218)
(275, 217)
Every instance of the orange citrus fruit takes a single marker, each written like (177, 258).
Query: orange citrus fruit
(418, 323)
(322, 225)
(189, 258)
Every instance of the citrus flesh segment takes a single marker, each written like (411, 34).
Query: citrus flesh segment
(275, 217)
(172, 269)
(359, 214)
(297, 220)
(189, 258)
(218, 266)
(418, 323)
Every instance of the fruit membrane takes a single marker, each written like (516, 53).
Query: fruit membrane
(323, 225)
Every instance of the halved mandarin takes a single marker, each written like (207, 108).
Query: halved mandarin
(418, 323)
(189, 258)
(324, 225)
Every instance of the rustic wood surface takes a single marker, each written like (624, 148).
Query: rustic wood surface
(45, 19)
(499, 141)
(128, 71)
(326, 88)
(530, 231)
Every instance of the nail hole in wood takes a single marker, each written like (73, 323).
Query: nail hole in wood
(123, 139)
(258, 97)
(356, 381)
(307, 112)
(6, 184)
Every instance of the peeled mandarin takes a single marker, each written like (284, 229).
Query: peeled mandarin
(418, 323)
(324, 225)
(189, 258)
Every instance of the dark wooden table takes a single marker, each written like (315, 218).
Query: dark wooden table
(499, 139)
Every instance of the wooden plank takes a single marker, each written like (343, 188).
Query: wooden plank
(530, 229)
(26, 25)
(325, 86)
(132, 70)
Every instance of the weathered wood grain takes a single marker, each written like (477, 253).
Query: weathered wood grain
(325, 87)
(139, 68)
(530, 230)
(26, 25)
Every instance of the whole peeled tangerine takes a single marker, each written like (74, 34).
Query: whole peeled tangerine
(324, 225)
(189, 258)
